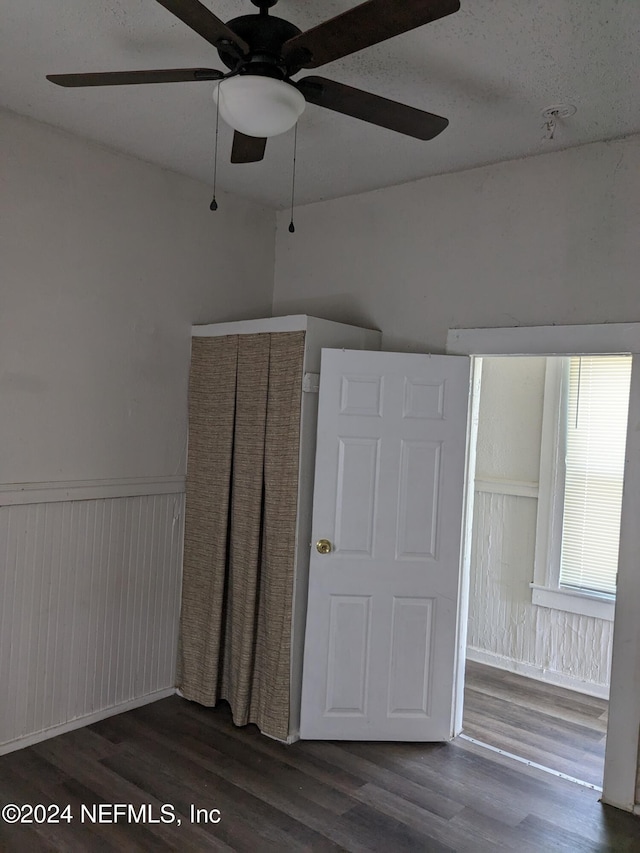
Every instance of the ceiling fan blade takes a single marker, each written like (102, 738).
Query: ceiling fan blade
(362, 26)
(202, 21)
(247, 149)
(128, 78)
(371, 108)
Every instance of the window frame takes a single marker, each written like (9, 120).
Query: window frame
(545, 588)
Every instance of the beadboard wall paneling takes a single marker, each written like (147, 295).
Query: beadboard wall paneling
(89, 606)
(504, 627)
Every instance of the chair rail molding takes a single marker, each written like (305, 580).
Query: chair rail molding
(12, 494)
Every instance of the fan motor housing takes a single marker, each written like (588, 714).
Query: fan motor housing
(265, 35)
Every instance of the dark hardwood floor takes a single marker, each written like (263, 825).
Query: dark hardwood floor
(552, 726)
(312, 796)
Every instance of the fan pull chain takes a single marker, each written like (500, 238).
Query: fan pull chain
(292, 227)
(214, 203)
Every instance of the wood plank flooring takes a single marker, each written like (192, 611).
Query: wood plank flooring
(550, 725)
(312, 796)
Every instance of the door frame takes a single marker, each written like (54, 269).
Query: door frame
(623, 731)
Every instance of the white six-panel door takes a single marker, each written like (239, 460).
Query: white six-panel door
(380, 647)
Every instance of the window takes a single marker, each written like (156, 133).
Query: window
(581, 478)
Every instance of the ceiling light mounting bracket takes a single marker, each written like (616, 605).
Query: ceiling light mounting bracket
(265, 35)
(552, 114)
(558, 111)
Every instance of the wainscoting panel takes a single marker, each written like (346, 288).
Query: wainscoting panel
(505, 628)
(89, 607)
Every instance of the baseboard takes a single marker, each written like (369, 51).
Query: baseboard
(548, 676)
(291, 738)
(87, 720)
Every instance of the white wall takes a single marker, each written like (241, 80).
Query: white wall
(548, 239)
(510, 419)
(105, 262)
(505, 629)
(551, 239)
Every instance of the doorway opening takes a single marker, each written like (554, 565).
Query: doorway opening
(547, 494)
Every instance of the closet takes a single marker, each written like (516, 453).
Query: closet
(252, 432)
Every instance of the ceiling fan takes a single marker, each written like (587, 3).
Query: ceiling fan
(258, 96)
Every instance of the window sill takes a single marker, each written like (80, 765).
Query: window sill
(572, 602)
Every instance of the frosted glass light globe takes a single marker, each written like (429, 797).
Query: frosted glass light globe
(258, 106)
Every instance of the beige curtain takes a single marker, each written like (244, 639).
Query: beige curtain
(242, 482)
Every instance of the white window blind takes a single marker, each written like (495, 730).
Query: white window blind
(597, 407)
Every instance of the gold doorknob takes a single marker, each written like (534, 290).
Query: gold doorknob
(323, 546)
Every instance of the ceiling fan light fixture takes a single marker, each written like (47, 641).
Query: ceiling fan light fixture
(258, 106)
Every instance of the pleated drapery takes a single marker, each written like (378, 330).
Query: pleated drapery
(240, 525)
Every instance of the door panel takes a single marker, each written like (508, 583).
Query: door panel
(418, 499)
(348, 664)
(380, 649)
(412, 625)
(357, 487)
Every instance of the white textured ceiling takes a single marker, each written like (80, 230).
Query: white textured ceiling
(490, 68)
